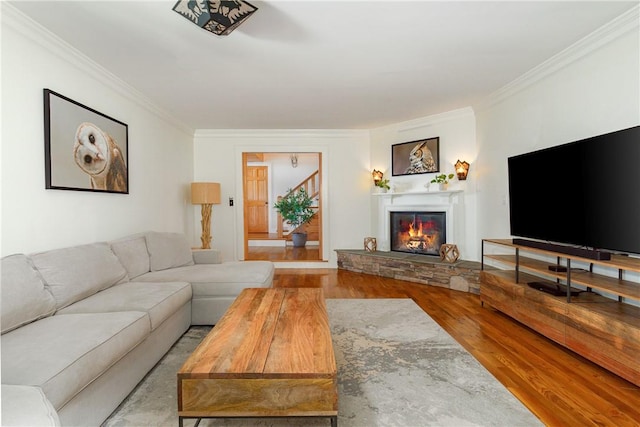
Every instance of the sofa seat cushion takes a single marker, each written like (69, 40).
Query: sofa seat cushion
(226, 279)
(74, 273)
(24, 297)
(159, 300)
(62, 354)
(27, 406)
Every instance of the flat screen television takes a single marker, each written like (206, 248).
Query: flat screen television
(584, 195)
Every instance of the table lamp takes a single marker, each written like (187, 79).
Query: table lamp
(205, 194)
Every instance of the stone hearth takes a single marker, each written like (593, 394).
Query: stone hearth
(429, 270)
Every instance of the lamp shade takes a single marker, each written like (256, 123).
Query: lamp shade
(462, 169)
(205, 193)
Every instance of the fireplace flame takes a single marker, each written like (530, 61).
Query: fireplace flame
(422, 237)
(413, 232)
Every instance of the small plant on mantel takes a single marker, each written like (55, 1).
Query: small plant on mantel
(383, 183)
(442, 179)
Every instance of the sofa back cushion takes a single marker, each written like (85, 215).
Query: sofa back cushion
(74, 273)
(133, 255)
(168, 250)
(24, 297)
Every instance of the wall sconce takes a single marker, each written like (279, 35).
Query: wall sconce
(377, 176)
(462, 170)
(294, 160)
(205, 194)
(218, 17)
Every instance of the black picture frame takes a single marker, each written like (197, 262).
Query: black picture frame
(85, 150)
(416, 157)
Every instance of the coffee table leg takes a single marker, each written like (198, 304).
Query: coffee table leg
(181, 422)
(334, 421)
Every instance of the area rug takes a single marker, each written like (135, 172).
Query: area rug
(396, 367)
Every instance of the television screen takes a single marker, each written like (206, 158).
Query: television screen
(585, 193)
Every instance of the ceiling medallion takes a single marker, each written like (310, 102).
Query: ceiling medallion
(217, 16)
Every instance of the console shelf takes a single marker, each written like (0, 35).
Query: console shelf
(599, 327)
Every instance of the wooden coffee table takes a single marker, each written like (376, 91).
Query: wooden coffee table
(270, 355)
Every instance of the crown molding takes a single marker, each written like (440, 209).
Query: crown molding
(435, 119)
(604, 35)
(280, 134)
(422, 122)
(20, 23)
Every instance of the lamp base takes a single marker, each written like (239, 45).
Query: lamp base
(206, 226)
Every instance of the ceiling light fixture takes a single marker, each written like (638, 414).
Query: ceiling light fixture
(217, 16)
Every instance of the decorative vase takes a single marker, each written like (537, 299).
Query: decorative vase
(444, 186)
(449, 252)
(299, 240)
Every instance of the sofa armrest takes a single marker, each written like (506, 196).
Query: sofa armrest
(206, 256)
(27, 406)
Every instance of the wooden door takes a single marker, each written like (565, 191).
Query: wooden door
(257, 199)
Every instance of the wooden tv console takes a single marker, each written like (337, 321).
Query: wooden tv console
(602, 329)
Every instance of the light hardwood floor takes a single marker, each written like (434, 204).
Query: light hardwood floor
(288, 253)
(558, 386)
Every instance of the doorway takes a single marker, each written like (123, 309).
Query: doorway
(267, 176)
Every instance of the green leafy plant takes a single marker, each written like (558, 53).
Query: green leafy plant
(442, 178)
(296, 207)
(383, 183)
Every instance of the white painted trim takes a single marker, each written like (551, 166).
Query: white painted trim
(267, 243)
(285, 135)
(616, 28)
(435, 119)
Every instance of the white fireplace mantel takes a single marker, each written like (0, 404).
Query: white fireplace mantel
(391, 194)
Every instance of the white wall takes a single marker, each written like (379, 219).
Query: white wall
(457, 132)
(285, 176)
(590, 89)
(160, 150)
(345, 175)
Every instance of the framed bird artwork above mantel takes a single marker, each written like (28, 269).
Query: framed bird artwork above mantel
(416, 157)
(85, 150)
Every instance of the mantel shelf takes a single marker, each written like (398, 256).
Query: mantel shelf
(418, 193)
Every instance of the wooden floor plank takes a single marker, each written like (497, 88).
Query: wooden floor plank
(558, 386)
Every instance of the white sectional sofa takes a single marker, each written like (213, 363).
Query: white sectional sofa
(81, 326)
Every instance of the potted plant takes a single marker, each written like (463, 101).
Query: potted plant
(383, 185)
(296, 209)
(442, 180)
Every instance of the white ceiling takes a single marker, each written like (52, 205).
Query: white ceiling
(322, 64)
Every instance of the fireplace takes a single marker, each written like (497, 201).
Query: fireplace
(417, 232)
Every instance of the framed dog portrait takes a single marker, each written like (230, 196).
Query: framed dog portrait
(416, 157)
(85, 150)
